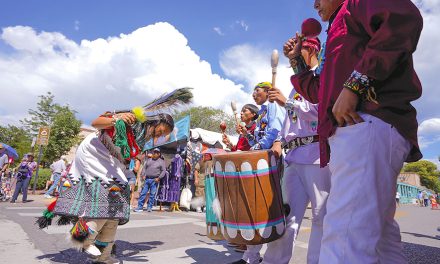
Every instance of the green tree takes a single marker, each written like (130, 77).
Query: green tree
(43, 115)
(64, 134)
(429, 175)
(208, 118)
(16, 137)
(62, 121)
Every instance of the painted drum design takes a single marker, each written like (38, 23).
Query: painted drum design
(249, 190)
(213, 226)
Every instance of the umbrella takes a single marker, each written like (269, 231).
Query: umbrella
(213, 151)
(10, 151)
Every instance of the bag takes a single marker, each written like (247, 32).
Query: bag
(23, 171)
(185, 198)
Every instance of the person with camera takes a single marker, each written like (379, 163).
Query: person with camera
(24, 175)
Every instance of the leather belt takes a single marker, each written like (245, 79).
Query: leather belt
(300, 141)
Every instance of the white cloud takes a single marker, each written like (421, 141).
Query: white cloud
(218, 31)
(251, 65)
(430, 127)
(242, 24)
(429, 133)
(427, 59)
(76, 25)
(105, 74)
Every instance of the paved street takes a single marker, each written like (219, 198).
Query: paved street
(174, 238)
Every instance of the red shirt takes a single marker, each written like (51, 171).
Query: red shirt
(243, 143)
(376, 38)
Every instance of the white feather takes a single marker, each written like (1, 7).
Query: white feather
(197, 202)
(217, 208)
(76, 244)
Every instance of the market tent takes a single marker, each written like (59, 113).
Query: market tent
(182, 134)
(209, 138)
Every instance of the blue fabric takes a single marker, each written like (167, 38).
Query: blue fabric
(56, 180)
(269, 124)
(150, 185)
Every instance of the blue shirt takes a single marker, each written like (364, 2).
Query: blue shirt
(269, 124)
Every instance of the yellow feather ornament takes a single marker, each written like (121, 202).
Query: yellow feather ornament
(138, 112)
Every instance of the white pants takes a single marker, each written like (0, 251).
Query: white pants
(301, 184)
(252, 254)
(359, 226)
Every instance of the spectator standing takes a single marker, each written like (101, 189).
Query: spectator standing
(4, 160)
(398, 198)
(202, 169)
(154, 169)
(24, 175)
(420, 198)
(57, 168)
(134, 181)
(425, 199)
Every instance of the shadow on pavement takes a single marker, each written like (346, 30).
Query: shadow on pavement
(125, 251)
(208, 255)
(419, 235)
(420, 254)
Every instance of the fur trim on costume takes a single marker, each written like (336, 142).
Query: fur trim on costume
(75, 243)
(48, 215)
(197, 202)
(80, 231)
(217, 208)
(65, 220)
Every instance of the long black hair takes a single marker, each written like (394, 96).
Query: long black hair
(143, 131)
(253, 109)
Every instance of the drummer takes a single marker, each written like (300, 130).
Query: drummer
(303, 181)
(268, 125)
(248, 115)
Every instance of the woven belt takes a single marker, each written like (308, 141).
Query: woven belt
(300, 141)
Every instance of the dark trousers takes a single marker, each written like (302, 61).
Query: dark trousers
(23, 186)
(150, 185)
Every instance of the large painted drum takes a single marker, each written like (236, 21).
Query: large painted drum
(249, 190)
(213, 226)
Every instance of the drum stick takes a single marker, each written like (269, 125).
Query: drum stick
(234, 110)
(274, 63)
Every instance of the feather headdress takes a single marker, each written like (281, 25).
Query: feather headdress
(170, 100)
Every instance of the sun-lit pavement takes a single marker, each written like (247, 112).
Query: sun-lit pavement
(174, 238)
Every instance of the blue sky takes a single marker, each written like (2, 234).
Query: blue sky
(95, 55)
(269, 23)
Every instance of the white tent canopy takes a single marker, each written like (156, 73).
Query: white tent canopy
(210, 137)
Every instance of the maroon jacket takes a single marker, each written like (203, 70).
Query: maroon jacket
(243, 143)
(376, 38)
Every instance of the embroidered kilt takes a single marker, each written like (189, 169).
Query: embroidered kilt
(99, 187)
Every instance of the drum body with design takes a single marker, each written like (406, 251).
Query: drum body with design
(213, 226)
(249, 190)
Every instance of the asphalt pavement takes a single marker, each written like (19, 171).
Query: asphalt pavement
(177, 237)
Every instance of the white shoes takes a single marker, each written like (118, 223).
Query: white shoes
(93, 251)
(47, 196)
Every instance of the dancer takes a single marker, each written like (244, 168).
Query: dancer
(303, 181)
(364, 88)
(99, 198)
